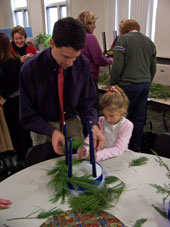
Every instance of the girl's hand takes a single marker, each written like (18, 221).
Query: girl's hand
(81, 153)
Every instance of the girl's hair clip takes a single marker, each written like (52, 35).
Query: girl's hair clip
(116, 89)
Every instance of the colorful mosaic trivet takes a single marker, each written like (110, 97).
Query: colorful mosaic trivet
(77, 219)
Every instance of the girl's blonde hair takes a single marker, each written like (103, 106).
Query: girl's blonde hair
(114, 99)
(86, 18)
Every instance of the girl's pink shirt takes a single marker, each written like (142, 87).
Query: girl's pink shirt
(121, 144)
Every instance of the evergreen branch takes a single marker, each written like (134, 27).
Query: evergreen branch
(84, 182)
(12, 219)
(110, 179)
(140, 222)
(118, 190)
(89, 203)
(161, 163)
(159, 91)
(59, 181)
(42, 214)
(93, 198)
(76, 143)
(163, 213)
(49, 213)
(160, 189)
(97, 201)
(139, 161)
(61, 192)
(166, 188)
(164, 199)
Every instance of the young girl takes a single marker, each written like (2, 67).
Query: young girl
(117, 130)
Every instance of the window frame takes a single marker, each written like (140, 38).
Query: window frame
(25, 17)
(23, 10)
(58, 6)
(132, 9)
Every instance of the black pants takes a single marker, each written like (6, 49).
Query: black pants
(20, 137)
(138, 95)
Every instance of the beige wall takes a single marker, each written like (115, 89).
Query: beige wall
(105, 11)
(78, 6)
(5, 14)
(36, 16)
(162, 36)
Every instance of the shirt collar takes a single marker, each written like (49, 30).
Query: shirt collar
(51, 60)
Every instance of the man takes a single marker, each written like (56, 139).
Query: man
(39, 96)
(133, 70)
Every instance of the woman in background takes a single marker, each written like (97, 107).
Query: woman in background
(9, 90)
(92, 50)
(120, 32)
(19, 46)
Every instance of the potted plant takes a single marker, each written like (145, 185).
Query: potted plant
(42, 39)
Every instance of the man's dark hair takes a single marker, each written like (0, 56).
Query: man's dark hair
(69, 32)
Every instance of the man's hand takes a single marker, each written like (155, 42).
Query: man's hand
(58, 142)
(4, 203)
(98, 138)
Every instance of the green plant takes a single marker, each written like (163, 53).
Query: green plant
(43, 38)
(93, 199)
(159, 91)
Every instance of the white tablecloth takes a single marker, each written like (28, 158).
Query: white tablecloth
(28, 191)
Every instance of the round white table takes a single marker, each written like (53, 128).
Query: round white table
(28, 191)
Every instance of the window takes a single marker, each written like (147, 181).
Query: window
(54, 10)
(143, 11)
(20, 12)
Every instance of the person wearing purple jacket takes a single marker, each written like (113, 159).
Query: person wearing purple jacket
(92, 50)
(39, 96)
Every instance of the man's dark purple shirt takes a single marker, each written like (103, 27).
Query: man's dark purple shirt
(39, 102)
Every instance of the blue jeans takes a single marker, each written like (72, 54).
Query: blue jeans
(138, 95)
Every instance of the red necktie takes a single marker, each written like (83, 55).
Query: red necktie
(60, 95)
